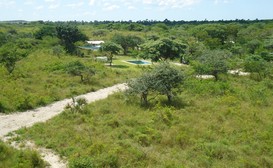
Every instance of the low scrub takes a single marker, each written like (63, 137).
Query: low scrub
(10, 157)
(215, 128)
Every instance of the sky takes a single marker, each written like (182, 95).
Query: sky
(124, 10)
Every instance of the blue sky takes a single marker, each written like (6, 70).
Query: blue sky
(90, 10)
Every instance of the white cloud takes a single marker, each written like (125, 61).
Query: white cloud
(131, 7)
(7, 3)
(89, 13)
(29, 2)
(110, 7)
(49, 0)
(39, 7)
(75, 5)
(148, 1)
(221, 1)
(91, 2)
(171, 3)
(53, 6)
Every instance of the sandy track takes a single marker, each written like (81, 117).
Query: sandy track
(15, 121)
(18, 120)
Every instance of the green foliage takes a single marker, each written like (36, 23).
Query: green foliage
(10, 157)
(111, 48)
(253, 45)
(77, 105)
(69, 35)
(57, 50)
(220, 124)
(256, 64)
(162, 49)
(42, 78)
(163, 79)
(213, 62)
(45, 31)
(83, 162)
(9, 55)
(127, 41)
(77, 68)
(141, 86)
(267, 56)
(100, 32)
(3, 38)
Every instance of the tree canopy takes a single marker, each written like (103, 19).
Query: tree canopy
(213, 62)
(127, 41)
(111, 48)
(69, 35)
(162, 49)
(162, 79)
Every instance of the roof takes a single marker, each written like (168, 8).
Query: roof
(95, 42)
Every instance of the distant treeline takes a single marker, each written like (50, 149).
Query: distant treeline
(145, 22)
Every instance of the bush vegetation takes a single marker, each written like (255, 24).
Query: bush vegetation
(209, 124)
(221, 123)
(10, 157)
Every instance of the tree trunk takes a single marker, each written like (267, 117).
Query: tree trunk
(82, 78)
(125, 50)
(144, 98)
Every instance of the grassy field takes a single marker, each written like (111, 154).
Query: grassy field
(11, 158)
(42, 78)
(211, 124)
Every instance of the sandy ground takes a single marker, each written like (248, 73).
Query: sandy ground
(15, 121)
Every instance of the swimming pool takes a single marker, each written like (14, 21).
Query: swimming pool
(139, 62)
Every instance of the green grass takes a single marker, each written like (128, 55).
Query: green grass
(211, 124)
(41, 78)
(12, 158)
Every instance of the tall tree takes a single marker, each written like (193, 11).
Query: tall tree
(163, 79)
(256, 64)
(9, 55)
(213, 62)
(45, 31)
(162, 49)
(126, 42)
(111, 48)
(69, 35)
(77, 68)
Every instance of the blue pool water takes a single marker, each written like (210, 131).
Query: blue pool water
(139, 62)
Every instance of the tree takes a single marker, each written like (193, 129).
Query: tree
(141, 86)
(256, 64)
(45, 31)
(126, 42)
(163, 79)
(100, 32)
(9, 55)
(111, 48)
(212, 62)
(162, 49)
(3, 39)
(77, 68)
(69, 35)
(253, 45)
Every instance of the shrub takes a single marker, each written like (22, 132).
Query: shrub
(82, 162)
